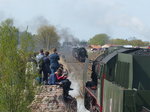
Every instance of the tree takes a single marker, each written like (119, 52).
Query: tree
(146, 43)
(119, 41)
(27, 42)
(99, 39)
(48, 37)
(134, 42)
(137, 42)
(16, 89)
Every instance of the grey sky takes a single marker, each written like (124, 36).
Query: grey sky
(84, 18)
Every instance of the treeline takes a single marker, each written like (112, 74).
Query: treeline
(134, 42)
(16, 83)
(102, 39)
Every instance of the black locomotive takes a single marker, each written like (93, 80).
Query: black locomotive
(80, 54)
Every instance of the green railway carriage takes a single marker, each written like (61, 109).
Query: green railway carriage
(123, 82)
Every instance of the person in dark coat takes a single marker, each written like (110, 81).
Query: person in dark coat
(54, 58)
(46, 66)
(93, 83)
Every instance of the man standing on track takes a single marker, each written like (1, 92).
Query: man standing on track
(54, 58)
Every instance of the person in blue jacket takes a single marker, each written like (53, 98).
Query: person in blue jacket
(54, 58)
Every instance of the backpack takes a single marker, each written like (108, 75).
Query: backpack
(41, 62)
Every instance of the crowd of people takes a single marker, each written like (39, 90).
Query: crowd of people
(53, 72)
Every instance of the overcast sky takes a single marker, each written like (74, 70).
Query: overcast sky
(83, 18)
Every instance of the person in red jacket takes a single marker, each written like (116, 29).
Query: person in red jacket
(59, 75)
(63, 81)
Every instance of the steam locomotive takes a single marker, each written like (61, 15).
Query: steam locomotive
(80, 54)
(122, 78)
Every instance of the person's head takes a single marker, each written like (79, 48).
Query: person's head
(46, 53)
(41, 51)
(54, 50)
(59, 71)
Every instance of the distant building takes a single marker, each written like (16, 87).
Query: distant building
(128, 46)
(95, 46)
(107, 45)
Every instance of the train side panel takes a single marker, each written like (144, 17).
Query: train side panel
(118, 99)
(136, 101)
(113, 97)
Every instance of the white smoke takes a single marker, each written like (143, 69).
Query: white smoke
(76, 93)
(74, 85)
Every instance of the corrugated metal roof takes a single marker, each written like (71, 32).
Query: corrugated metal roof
(111, 55)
